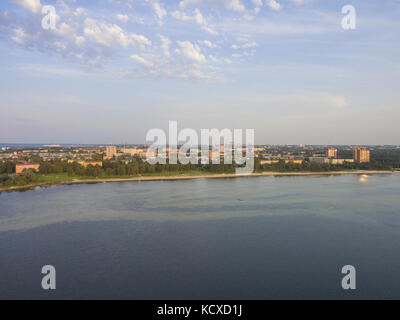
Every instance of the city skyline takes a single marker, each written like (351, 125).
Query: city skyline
(115, 70)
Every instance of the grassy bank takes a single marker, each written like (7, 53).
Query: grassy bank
(57, 178)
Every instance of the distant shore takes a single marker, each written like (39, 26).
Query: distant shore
(191, 177)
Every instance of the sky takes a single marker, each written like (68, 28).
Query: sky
(111, 70)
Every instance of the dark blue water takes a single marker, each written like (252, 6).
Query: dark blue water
(247, 238)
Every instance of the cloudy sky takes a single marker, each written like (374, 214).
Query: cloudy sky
(112, 69)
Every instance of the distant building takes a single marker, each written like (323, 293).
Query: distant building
(332, 153)
(143, 154)
(214, 155)
(111, 152)
(26, 166)
(331, 161)
(362, 155)
(151, 154)
(132, 151)
(320, 160)
(294, 161)
(262, 162)
(340, 161)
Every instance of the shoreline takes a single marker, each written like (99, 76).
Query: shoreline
(192, 177)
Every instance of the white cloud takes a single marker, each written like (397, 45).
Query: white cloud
(19, 36)
(250, 45)
(69, 31)
(79, 12)
(257, 3)
(142, 61)
(83, 38)
(210, 30)
(257, 8)
(157, 8)
(273, 4)
(90, 43)
(181, 16)
(165, 43)
(220, 60)
(245, 45)
(123, 17)
(32, 5)
(111, 35)
(236, 5)
(191, 51)
(197, 17)
(208, 44)
(140, 40)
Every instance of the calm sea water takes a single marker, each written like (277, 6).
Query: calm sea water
(247, 238)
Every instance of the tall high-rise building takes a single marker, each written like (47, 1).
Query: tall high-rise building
(111, 152)
(362, 155)
(332, 153)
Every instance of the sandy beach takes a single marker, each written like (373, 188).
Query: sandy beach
(191, 177)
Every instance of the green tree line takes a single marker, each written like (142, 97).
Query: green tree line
(380, 160)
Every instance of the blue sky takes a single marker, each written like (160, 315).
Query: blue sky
(113, 69)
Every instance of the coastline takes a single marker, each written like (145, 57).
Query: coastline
(191, 177)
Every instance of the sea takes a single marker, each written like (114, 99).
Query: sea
(241, 238)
